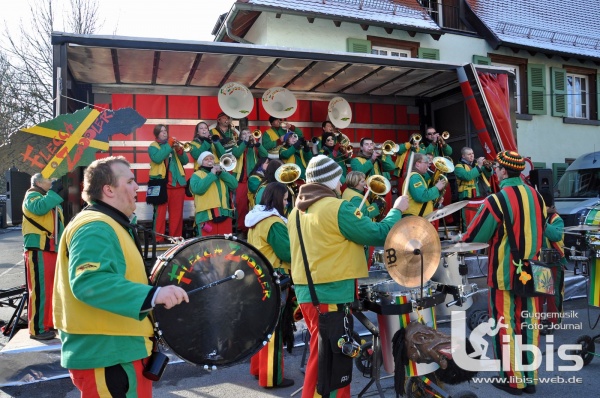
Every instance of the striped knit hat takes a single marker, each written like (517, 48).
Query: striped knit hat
(323, 170)
(511, 160)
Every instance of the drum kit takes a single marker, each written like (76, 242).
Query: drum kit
(422, 278)
(587, 257)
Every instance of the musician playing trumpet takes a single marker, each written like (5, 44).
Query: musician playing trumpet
(414, 145)
(472, 177)
(273, 137)
(296, 150)
(372, 161)
(331, 149)
(167, 159)
(436, 144)
(248, 150)
(211, 185)
(421, 194)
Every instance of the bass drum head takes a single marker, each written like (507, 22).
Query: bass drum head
(226, 323)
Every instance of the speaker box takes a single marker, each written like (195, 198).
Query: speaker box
(543, 180)
(17, 183)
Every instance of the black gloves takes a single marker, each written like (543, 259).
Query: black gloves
(298, 144)
(57, 185)
(216, 138)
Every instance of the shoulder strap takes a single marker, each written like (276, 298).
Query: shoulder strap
(311, 286)
(38, 226)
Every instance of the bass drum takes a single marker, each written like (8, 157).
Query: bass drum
(226, 323)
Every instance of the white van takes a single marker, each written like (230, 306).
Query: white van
(578, 189)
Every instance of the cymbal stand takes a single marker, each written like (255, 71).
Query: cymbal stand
(376, 358)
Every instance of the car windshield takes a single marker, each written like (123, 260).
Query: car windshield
(583, 183)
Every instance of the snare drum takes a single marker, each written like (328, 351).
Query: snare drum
(226, 323)
(448, 232)
(366, 286)
(392, 293)
(447, 274)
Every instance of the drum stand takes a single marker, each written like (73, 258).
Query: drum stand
(8, 297)
(375, 358)
(458, 292)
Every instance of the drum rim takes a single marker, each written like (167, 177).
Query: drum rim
(271, 270)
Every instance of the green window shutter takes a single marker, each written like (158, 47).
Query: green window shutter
(539, 165)
(559, 91)
(429, 53)
(598, 95)
(481, 60)
(558, 169)
(536, 89)
(358, 46)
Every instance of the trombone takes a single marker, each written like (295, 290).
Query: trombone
(377, 185)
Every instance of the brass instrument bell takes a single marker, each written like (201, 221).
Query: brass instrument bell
(389, 147)
(228, 162)
(287, 173)
(257, 134)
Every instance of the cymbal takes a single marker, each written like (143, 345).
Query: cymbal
(463, 247)
(412, 235)
(446, 210)
(582, 228)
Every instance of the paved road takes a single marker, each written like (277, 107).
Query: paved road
(185, 380)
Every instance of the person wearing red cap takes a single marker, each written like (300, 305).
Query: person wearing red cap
(517, 209)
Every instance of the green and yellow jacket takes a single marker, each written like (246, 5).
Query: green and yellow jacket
(334, 233)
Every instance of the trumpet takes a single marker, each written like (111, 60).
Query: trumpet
(186, 146)
(256, 134)
(488, 163)
(389, 147)
(415, 139)
(227, 162)
(442, 139)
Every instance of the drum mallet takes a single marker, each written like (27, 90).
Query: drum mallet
(239, 274)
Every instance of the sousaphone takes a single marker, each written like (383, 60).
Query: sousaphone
(339, 112)
(279, 102)
(235, 100)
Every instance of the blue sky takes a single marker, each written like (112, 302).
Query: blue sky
(173, 19)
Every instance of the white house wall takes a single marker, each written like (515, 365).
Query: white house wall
(544, 139)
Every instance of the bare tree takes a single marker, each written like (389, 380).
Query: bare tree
(30, 51)
(13, 111)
